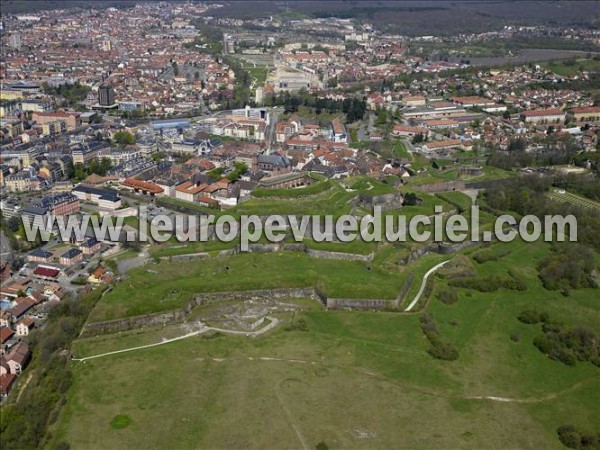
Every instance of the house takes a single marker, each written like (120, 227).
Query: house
(189, 191)
(4, 367)
(408, 131)
(472, 101)
(22, 307)
(414, 100)
(71, 256)
(142, 187)
(96, 275)
(5, 273)
(5, 335)
(436, 124)
(18, 358)
(274, 164)
(586, 114)
(46, 272)
(283, 130)
(5, 318)
(246, 187)
(446, 144)
(338, 131)
(39, 255)
(105, 199)
(53, 291)
(24, 326)
(72, 119)
(6, 382)
(90, 246)
(209, 202)
(543, 116)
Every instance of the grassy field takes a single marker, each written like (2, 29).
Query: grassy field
(166, 286)
(569, 68)
(352, 380)
(457, 199)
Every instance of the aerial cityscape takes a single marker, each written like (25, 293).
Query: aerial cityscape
(299, 224)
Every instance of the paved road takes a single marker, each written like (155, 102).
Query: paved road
(5, 247)
(361, 133)
(270, 136)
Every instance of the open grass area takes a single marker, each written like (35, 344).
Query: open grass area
(357, 246)
(570, 68)
(313, 189)
(166, 286)
(352, 380)
(457, 199)
(259, 73)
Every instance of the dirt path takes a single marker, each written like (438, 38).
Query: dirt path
(359, 370)
(290, 418)
(24, 386)
(273, 322)
(423, 283)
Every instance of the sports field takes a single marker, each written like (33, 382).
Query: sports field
(350, 380)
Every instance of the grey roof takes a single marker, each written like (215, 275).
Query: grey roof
(276, 160)
(71, 253)
(36, 210)
(40, 253)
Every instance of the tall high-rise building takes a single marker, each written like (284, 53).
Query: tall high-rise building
(106, 95)
(15, 41)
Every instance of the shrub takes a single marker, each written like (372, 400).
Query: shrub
(439, 347)
(448, 297)
(573, 438)
(490, 283)
(531, 316)
(568, 345)
(568, 267)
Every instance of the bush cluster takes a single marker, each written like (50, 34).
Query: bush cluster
(532, 316)
(568, 267)
(491, 283)
(573, 438)
(439, 347)
(568, 345)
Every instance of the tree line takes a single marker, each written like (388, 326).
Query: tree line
(24, 423)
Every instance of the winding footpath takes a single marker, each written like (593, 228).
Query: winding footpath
(423, 283)
(273, 322)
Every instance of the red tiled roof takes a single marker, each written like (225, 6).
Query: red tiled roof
(46, 272)
(144, 185)
(542, 112)
(6, 382)
(5, 334)
(586, 109)
(442, 144)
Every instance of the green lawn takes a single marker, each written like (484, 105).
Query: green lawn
(352, 380)
(169, 285)
(457, 199)
(258, 72)
(568, 68)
